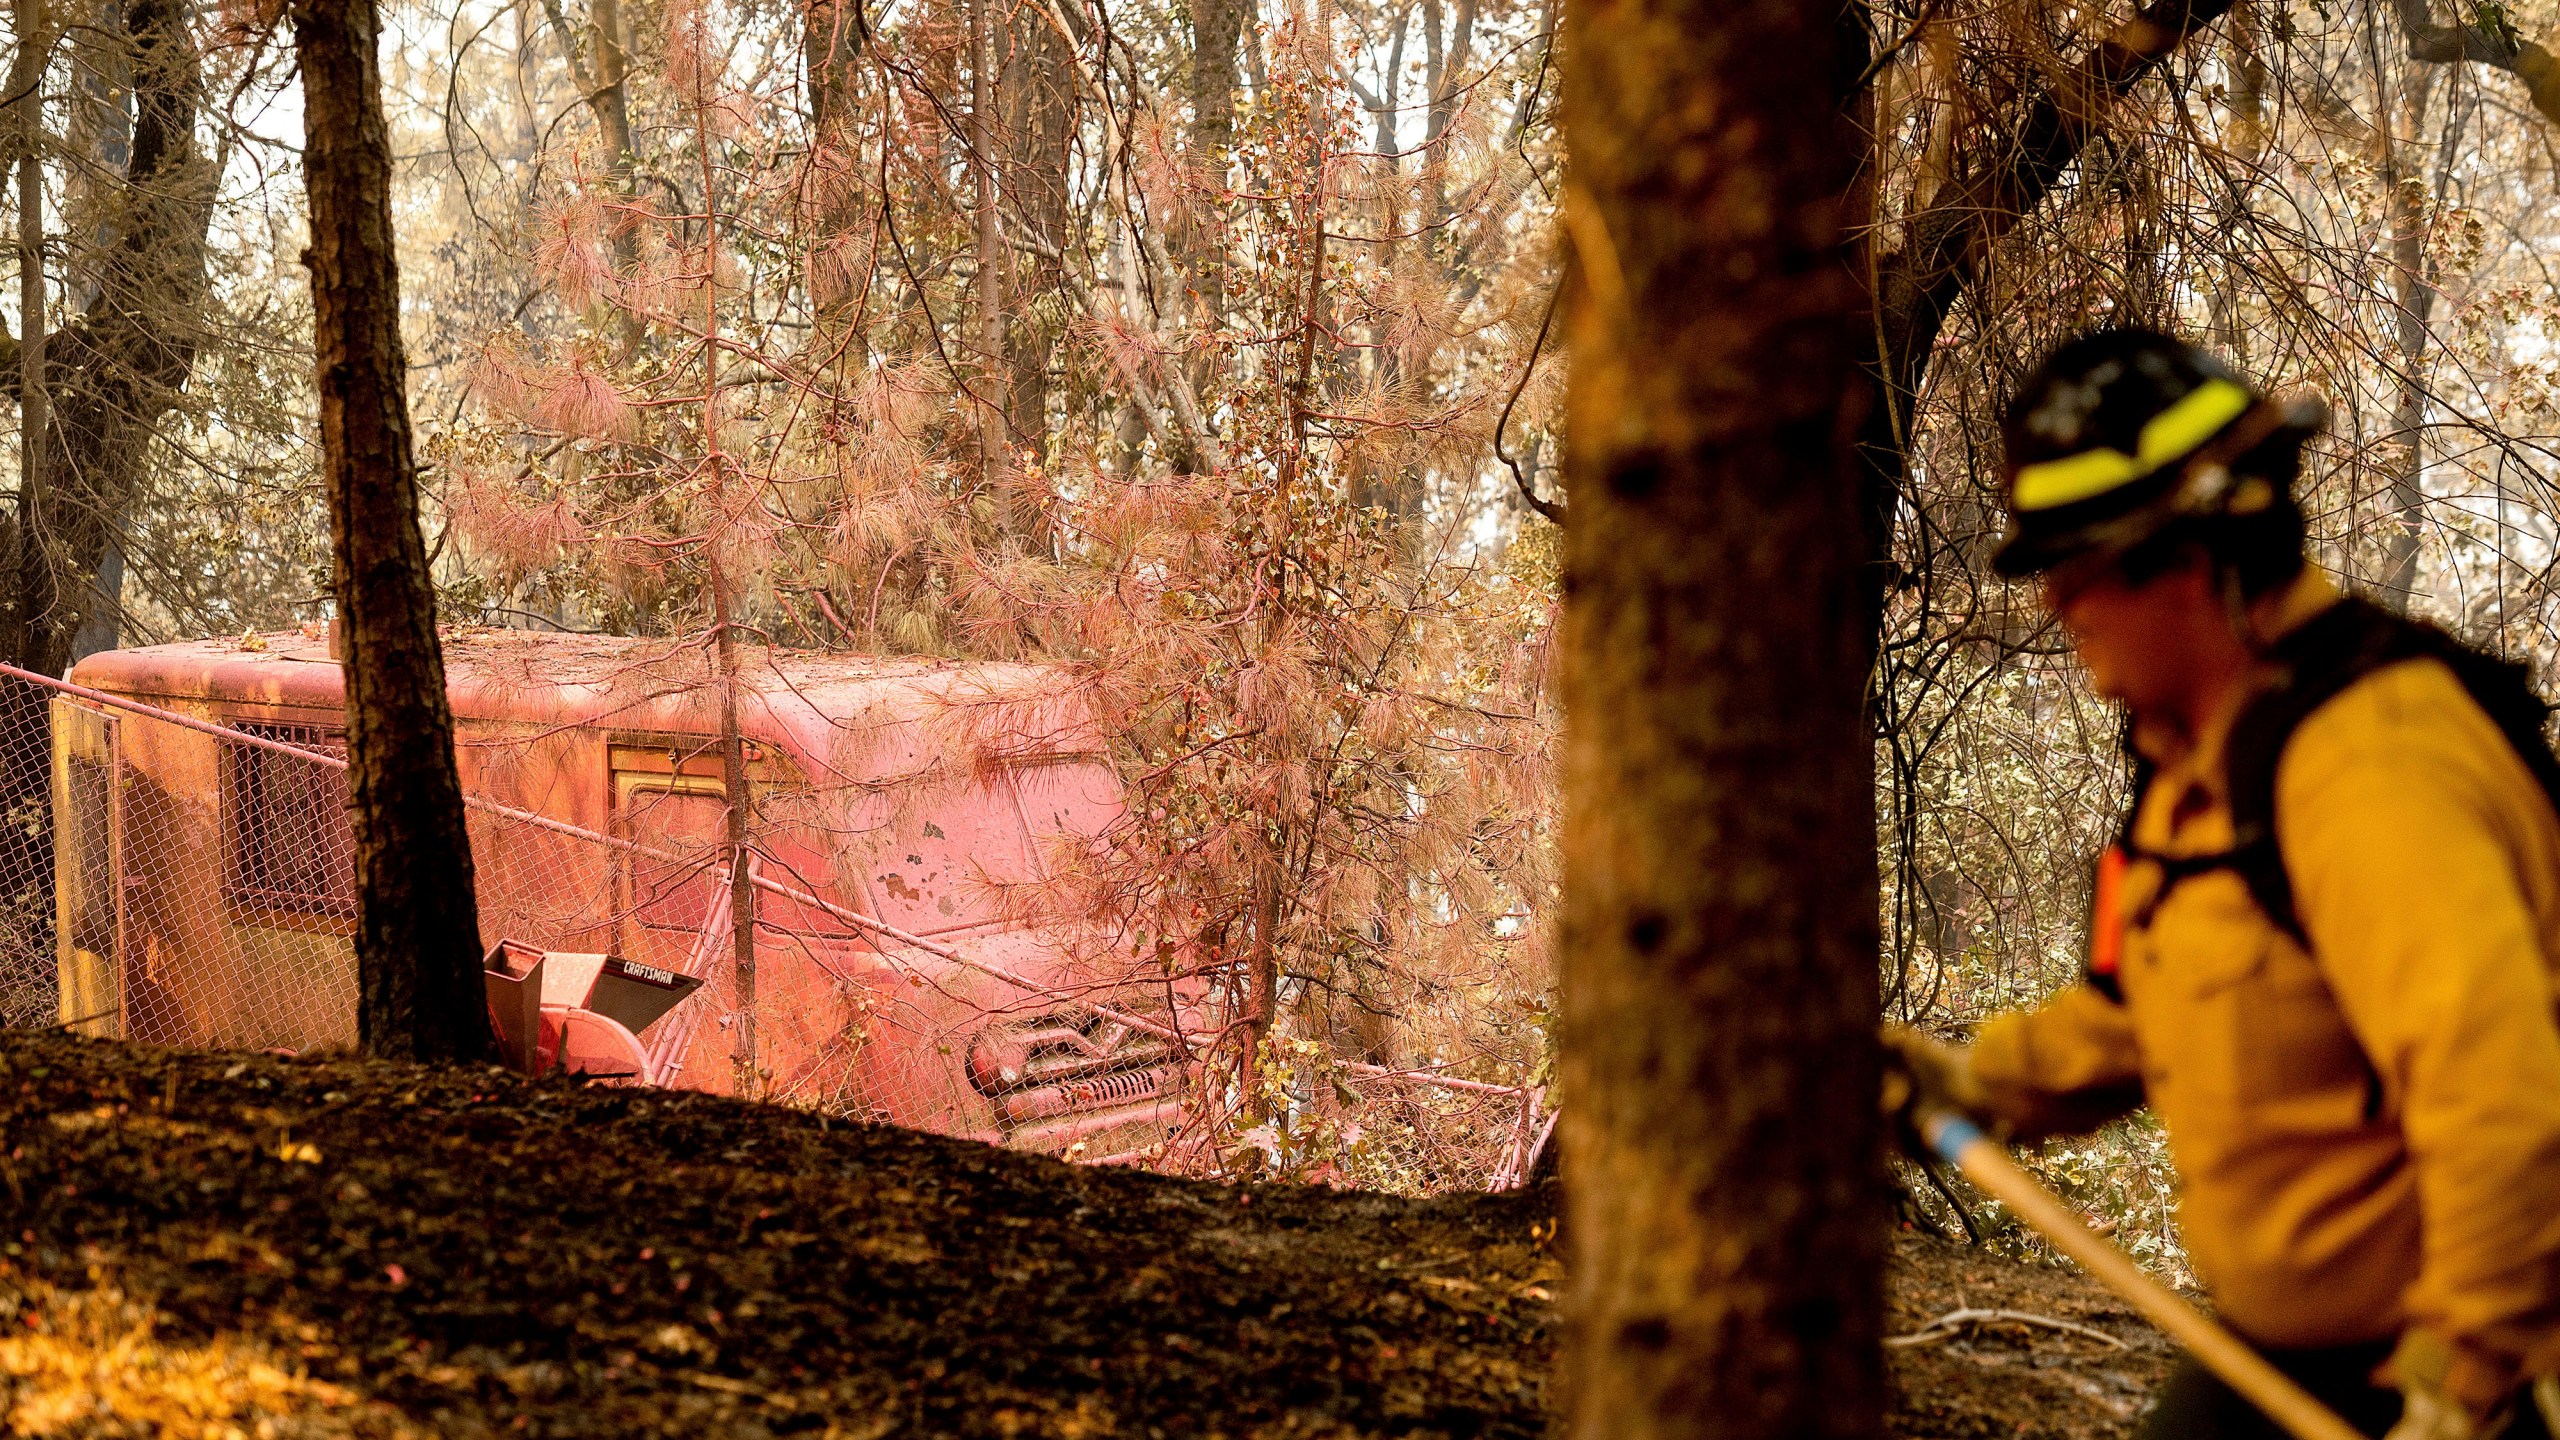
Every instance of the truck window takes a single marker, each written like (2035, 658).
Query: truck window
(685, 817)
(287, 845)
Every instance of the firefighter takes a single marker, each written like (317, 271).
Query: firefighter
(2326, 945)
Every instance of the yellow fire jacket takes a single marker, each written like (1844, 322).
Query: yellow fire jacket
(2368, 1132)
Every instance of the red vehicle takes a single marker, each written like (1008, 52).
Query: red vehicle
(898, 809)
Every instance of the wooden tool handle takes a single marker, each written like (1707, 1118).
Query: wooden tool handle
(2225, 1354)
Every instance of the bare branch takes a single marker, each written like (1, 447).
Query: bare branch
(2490, 40)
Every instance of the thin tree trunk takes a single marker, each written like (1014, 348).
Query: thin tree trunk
(1722, 1147)
(613, 125)
(611, 98)
(2412, 299)
(26, 757)
(993, 370)
(1447, 74)
(417, 924)
(1262, 977)
(737, 796)
(1261, 980)
(603, 79)
(831, 39)
(2413, 296)
(26, 115)
(26, 78)
(737, 791)
(1215, 25)
(2251, 81)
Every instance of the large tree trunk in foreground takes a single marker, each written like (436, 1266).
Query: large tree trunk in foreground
(1722, 1147)
(417, 927)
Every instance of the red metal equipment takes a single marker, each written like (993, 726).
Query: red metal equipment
(582, 1013)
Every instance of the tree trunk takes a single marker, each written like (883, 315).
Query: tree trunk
(1214, 27)
(417, 924)
(106, 380)
(737, 800)
(831, 38)
(994, 446)
(1723, 1153)
(2003, 174)
(112, 373)
(26, 80)
(2413, 297)
(602, 77)
(1448, 71)
(1039, 114)
(26, 752)
(611, 100)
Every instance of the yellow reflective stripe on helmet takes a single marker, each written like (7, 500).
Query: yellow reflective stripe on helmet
(2181, 429)
(2171, 435)
(2073, 477)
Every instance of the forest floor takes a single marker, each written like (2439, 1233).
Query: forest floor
(219, 1245)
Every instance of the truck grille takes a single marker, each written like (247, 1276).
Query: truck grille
(1067, 1064)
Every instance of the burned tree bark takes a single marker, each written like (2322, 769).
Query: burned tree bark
(1215, 28)
(417, 926)
(1216, 25)
(1722, 1149)
(832, 35)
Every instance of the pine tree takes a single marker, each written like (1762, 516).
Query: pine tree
(417, 925)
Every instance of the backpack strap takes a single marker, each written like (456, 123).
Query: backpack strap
(2107, 908)
(2099, 969)
(2319, 659)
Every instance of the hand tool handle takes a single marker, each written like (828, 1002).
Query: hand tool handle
(2225, 1354)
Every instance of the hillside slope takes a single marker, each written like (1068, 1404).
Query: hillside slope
(213, 1244)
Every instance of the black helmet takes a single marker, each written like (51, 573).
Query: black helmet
(2122, 432)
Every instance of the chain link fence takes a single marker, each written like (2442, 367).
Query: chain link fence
(180, 870)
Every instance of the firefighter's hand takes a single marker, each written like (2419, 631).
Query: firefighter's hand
(1923, 1076)
(2448, 1391)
